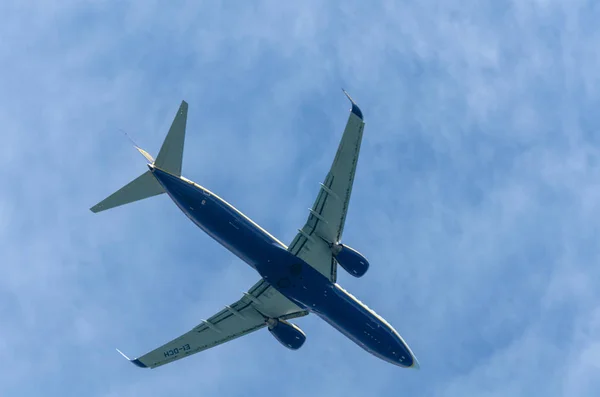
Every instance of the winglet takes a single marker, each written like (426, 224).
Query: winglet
(135, 361)
(355, 109)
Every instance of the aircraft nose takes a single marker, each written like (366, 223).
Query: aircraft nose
(404, 356)
(416, 364)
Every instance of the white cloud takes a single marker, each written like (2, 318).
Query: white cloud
(475, 197)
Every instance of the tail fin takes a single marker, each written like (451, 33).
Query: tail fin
(169, 159)
(170, 156)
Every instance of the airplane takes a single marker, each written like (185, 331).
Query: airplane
(295, 280)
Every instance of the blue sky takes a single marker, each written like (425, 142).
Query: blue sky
(476, 196)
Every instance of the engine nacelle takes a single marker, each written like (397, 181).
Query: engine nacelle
(351, 260)
(289, 335)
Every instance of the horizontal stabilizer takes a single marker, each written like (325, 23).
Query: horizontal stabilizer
(140, 188)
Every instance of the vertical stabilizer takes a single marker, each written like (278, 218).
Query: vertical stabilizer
(170, 157)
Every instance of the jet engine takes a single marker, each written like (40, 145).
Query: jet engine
(352, 261)
(289, 335)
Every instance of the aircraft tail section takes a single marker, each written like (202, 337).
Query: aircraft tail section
(169, 159)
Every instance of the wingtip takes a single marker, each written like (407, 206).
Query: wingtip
(355, 109)
(136, 361)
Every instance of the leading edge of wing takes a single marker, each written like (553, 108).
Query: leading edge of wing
(135, 361)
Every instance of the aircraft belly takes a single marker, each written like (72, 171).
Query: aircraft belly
(221, 222)
(232, 232)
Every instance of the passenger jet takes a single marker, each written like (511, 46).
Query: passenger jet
(295, 280)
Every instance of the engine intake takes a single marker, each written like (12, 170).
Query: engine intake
(289, 335)
(351, 260)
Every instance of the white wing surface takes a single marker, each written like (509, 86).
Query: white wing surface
(238, 319)
(325, 222)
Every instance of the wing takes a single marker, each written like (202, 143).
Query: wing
(325, 222)
(238, 319)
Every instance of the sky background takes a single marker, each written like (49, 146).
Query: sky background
(476, 198)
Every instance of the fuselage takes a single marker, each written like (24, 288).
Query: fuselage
(290, 275)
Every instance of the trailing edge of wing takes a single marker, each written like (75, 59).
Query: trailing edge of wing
(134, 361)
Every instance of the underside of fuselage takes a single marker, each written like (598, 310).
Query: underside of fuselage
(290, 275)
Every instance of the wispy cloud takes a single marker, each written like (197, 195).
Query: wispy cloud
(475, 198)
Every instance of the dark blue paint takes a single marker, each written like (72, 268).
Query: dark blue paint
(356, 110)
(287, 334)
(139, 363)
(291, 276)
(352, 261)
